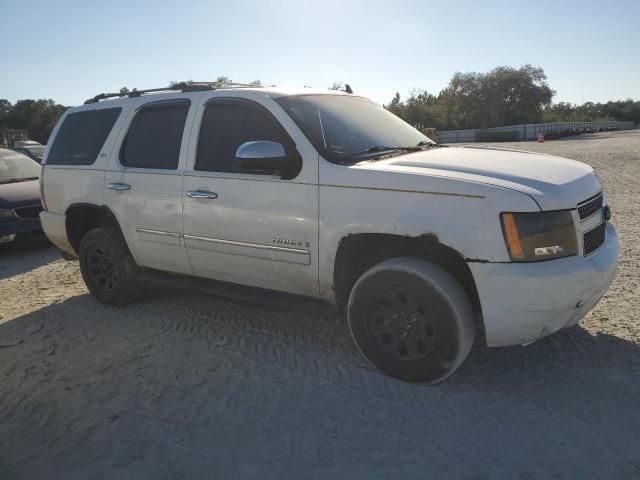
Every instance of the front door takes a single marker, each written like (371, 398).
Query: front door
(246, 228)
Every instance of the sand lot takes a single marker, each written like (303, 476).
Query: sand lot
(183, 385)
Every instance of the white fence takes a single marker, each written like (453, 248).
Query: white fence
(529, 131)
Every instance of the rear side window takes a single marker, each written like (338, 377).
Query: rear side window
(81, 137)
(155, 136)
(227, 126)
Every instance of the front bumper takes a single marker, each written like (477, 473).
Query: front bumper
(14, 230)
(522, 302)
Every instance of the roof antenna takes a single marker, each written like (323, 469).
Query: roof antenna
(347, 88)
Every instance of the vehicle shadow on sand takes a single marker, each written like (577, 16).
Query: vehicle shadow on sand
(182, 384)
(18, 259)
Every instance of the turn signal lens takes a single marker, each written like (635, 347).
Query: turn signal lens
(511, 236)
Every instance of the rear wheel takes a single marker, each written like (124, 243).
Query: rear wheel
(108, 270)
(411, 320)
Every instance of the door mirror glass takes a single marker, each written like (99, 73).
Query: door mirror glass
(266, 157)
(260, 149)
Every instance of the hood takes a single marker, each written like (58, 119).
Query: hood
(19, 194)
(555, 183)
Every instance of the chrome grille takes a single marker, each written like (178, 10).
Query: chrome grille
(28, 213)
(593, 239)
(590, 206)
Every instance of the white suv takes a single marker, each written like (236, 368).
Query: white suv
(328, 195)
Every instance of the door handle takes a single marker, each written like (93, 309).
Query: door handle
(202, 194)
(119, 186)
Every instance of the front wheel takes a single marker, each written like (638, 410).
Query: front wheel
(108, 269)
(411, 320)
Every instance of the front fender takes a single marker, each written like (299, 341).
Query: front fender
(467, 224)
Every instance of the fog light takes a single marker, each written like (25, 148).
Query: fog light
(7, 238)
(607, 213)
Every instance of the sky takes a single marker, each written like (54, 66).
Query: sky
(71, 50)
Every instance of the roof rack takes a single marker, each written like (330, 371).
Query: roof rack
(189, 86)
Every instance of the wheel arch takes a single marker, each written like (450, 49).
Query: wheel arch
(80, 218)
(358, 252)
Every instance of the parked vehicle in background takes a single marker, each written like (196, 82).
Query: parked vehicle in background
(19, 199)
(35, 152)
(328, 195)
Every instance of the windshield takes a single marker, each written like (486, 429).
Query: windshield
(15, 167)
(341, 126)
(37, 151)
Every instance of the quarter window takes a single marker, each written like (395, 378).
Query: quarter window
(81, 137)
(225, 127)
(155, 136)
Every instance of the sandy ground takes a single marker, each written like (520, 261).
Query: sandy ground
(183, 385)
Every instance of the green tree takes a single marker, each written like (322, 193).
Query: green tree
(503, 96)
(396, 106)
(419, 109)
(37, 116)
(622, 110)
(5, 110)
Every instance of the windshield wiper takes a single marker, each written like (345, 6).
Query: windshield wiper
(427, 144)
(379, 148)
(422, 145)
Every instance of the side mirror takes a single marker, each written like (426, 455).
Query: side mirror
(264, 156)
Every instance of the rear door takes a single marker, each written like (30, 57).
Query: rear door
(143, 184)
(78, 154)
(252, 229)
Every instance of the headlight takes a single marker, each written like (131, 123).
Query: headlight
(536, 236)
(5, 213)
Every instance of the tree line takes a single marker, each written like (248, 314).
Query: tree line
(502, 96)
(37, 116)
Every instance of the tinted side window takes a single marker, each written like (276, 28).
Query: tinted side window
(225, 127)
(154, 138)
(81, 137)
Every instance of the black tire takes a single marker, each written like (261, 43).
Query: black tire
(108, 270)
(411, 320)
